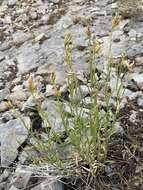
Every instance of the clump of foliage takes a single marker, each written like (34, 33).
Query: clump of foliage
(88, 129)
(88, 132)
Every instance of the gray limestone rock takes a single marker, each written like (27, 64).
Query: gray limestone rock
(12, 135)
(3, 93)
(137, 79)
(12, 2)
(47, 185)
(22, 178)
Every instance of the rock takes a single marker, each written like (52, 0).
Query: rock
(79, 110)
(128, 93)
(5, 46)
(137, 79)
(40, 37)
(49, 185)
(4, 175)
(27, 57)
(130, 8)
(20, 11)
(12, 2)
(87, 101)
(117, 35)
(3, 93)
(51, 107)
(33, 15)
(140, 101)
(3, 106)
(55, 1)
(118, 128)
(3, 185)
(22, 178)
(82, 92)
(134, 95)
(17, 80)
(12, 135)
(49, 90)
(114, 81)
(45, 19)
(29, 104)
(32, 102)
(7, 20)
(17, 88)
(17, 96)
(28, 154)
(8, 115)
(132, 33)
(114, 5)
(20, 37)
(65, 152)
(139, 60)
(133, 116)
(2, 58)
(25, 19)
(13, 188)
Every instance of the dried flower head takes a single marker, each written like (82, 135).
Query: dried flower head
(53, 78)
(57, 92)
(67, 39)
(68, 48)
(95, 47)
(127, 64)
(88, 31)
(115, 21)
(76, 19)
(31, 85)
(9, 104)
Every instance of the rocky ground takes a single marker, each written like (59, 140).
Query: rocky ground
(31, 41)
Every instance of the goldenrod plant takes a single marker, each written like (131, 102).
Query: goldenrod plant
(88, 129)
